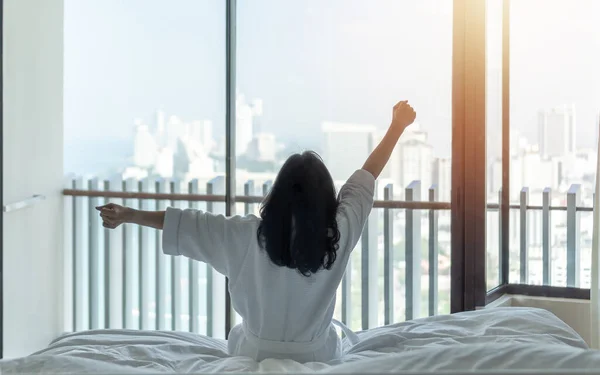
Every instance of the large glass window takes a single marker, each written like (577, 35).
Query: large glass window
(324, 76)
(494, 74)
(555, 102)
(144, 102)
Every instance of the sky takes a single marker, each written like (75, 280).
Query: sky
(313, 61)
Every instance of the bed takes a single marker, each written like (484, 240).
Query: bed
(516, 339)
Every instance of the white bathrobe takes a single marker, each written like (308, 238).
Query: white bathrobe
(285, 314)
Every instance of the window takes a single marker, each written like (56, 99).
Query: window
(144, 100)
(494, 74)
(324, 76)
(145, 109)
(554, 99)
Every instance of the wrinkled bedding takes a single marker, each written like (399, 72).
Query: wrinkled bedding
(480, 341)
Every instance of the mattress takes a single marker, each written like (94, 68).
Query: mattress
(517, 340)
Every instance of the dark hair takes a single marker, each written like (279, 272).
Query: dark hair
(298, 229)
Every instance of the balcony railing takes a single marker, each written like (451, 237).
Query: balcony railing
(121, 279)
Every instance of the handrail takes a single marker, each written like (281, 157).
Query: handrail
(28, 202)
(97, 255)
(392, 204)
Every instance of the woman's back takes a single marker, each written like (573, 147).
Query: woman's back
(284, 267)
(286, 314)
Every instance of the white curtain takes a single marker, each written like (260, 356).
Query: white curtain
(595, 287)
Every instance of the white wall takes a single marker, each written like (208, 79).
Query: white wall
(32, 155)
(574, 312)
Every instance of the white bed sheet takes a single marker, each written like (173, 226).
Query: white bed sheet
(481, 341)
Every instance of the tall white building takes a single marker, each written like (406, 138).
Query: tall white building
(346, 147)
(412, 160)
(160, 128)
(263, 147)
(442, 177)
(518, 143)
(202, 131)
(144, 146)
(175, 129)
(494, 178)
(164, 163)
(191, 160)
(557, 129)
(257, 112)
(529, 169)
(247, 122)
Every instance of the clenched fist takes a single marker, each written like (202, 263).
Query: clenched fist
(403, 116)
(114, 215)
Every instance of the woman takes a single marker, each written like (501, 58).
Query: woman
(285, 266)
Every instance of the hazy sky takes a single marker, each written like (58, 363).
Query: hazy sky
(315, 60)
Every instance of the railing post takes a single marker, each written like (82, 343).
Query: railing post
(107, 267)
(347, 295)
(248, 191)
(96, 247)
(249, 210)
(147, 281)
(176, 272)
(163, 264)
(69, 264)
(194, 279)
(388, 260)
(501, 261)
(573, 248)
(216, 309)
(546, 236)
(115, 265)
(266, 188)
(369, 272)
(81, 260)
(210, 329)
(413, 253)
(130, 263)
(524, 256)
(433, 253)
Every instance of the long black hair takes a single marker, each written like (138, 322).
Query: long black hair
(298, 229)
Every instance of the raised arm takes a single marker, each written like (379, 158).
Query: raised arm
(403, 115)
(114, 215)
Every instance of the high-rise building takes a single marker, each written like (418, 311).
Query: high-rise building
(202, 131)
(557, 129)
(257, 112)
(191, 160)
(175, 129)
(160, 128)
(164, 163)
(412, 160)
(263, 147)
(518, 143)
(244, 126)
(144, 146)
(346, 147)
(529, 169)
(597, 130)
(494, 178)
(442, 177)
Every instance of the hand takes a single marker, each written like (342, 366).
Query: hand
(404, 115)
(114, 215)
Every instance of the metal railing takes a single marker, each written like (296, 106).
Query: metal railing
(121, 279)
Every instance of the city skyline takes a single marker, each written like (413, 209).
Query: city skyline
(310, 75)
(170, 146)
(144, 97)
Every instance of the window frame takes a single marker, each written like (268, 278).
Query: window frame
(468, 194)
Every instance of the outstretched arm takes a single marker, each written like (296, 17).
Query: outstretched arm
(114, 215)
(403, 116)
